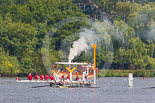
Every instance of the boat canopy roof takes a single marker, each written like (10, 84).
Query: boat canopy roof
(71, 63)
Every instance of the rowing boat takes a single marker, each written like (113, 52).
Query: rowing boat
(34, 81)
(63, 86)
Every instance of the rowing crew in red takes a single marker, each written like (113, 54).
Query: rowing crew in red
(63, 77)
(36, 77)
(41, 77)
(68, 77)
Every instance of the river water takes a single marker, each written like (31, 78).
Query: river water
(111, 90)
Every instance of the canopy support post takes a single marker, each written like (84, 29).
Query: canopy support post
(94, 46)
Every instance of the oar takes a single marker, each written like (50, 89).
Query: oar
(40, 86)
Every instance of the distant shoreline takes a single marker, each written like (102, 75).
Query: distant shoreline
(124, 73)
(106, 73)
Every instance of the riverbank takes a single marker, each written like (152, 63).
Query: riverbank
(124, 73)
(108, 73)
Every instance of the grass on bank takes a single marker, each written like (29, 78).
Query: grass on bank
(124, 73)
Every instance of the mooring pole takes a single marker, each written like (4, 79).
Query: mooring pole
(130, 78)
(94, 46)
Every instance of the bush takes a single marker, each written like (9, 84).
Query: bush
(9, 65)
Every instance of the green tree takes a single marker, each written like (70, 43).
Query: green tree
(9, 65)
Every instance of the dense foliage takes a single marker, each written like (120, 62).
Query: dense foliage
(24, 24)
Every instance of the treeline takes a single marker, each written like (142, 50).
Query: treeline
(24, 24)
(125, 73)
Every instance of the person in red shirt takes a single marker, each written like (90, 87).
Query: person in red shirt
(29, 76)
(77, 78)
(46, 77)
(52, 77)
(68, 77)
(42, 77)
(63, 77)
(36, 77)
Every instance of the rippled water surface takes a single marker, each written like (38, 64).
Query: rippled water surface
(111, 90)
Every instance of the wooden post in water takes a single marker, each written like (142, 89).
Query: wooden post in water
(130, 78)
(94, 46)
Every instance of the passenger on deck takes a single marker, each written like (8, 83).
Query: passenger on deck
(62, 67)
(86, 76)
(56, 77)
(77, 78)
(42, 77)
(54, 66)
(29, 76)
(68, 77)
(36, 76)
(63, 77)
(52, 77)
(46, 77)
